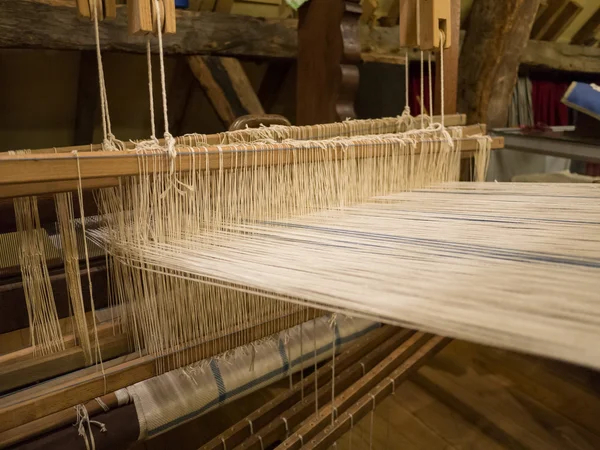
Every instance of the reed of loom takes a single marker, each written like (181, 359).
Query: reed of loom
(60, 171)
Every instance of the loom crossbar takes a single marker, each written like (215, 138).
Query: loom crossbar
(276, 431)
(16, 410)
(33, 175)
(330, 434)
(403, 361)
(283, 403)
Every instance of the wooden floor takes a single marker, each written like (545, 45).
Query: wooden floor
(467, 397)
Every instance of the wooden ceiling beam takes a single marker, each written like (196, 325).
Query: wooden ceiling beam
(42, 23)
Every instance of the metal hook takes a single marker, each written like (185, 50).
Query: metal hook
(373, 397)
(287, 430)
(393, 385)
(262, 446)
(224, 444)
(363, 367)
(251, 426)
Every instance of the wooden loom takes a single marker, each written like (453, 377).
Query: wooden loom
(366, 372)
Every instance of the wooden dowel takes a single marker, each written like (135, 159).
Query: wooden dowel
(451, 120)
(276, 430)
(329, 435)
(26, 371)
(18, 170)
(356, 350)
(20, 408)
(54, 421)
(404, 360)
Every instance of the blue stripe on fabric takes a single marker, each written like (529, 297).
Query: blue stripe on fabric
(284, 357)
(253, 383)
(218, 380)
(338, 339)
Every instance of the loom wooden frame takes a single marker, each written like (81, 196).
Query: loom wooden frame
(47, 173)
(22, 407)
(364, 346)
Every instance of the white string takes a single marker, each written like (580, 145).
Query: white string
(106, 125)
(150, 89)
(103, 405)
(372, 419)
(83, 420)
(430, 85)
(406, 83)
(442, 43)
(169, 140)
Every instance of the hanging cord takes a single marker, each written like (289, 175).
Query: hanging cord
(372, 417)
(169, 140)
(87, 266)
(442, 43)
(406, 84)
(150, 89)
(108, 142)
(83, 420)
(333, 325)
(430, 85)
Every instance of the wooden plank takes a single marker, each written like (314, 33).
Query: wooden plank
(25, 351)
(557, 56)
(31, 370)
(533, 378)
(13, 308)
(587, 33)
(490, 57)
(444, 421)
(227, 87)
(328, 51)
(365, 395)
(484, 400)
(41, 24)
(14, 413)
(15, 169)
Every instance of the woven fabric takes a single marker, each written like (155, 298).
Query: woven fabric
(167, 401)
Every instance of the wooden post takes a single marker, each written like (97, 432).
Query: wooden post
(328, 51)
(450, 67)
(494, 43)
(227, 87)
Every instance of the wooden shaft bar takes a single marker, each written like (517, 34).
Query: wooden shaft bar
(238, 432)
(17, 169)
(235, 435)
(451, 120)
(326, 438)
(276, 429)
(69, 341)
(24, 372)
(20, 408)
(316, 423)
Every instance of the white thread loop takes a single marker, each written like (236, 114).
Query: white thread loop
(103, 405)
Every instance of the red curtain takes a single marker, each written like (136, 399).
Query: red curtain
(414, 93)
(547, 107)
